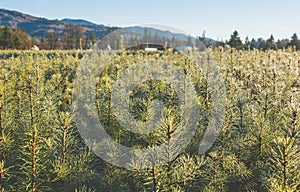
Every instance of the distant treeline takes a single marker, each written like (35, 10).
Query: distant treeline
(262, 44)
(73, 37)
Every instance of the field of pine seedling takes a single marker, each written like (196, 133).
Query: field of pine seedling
(258, 148)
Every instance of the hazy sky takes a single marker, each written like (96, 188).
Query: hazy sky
(219, 18)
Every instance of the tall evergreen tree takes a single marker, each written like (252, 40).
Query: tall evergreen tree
(235, 41)
(270, 43)
(295, 42)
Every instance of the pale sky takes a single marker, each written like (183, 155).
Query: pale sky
(255, 18)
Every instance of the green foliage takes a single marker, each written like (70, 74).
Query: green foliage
(14, 39)
(257, 149)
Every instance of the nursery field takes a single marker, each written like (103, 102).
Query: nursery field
(257, 149)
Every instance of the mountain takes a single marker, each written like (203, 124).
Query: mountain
(166, 33)
(160, 32)
(79, 22)
(13, 18)
(37, 27)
